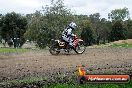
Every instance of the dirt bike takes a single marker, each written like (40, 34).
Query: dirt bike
(58, 45)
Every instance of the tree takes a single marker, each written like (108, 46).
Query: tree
(38, 31)
(105, 28)
(119, 14)
(87, 33)
(57, 16)
(118, 32)
(0, 25)
(79, 19)
(119, 17)
(129, 27)
(96, 25)
(101, 28)
(13, 28)
(94, 18)
(49, 23)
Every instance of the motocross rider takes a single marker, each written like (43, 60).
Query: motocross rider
(67, 34)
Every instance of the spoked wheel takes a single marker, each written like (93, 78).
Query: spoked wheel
(80, 47)
(54, 50)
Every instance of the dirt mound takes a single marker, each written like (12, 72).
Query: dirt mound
(128, 41)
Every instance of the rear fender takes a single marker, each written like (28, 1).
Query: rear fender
(54, 42)
(80, 40)
(57, 41)
(61, 44)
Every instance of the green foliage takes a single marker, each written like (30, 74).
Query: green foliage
(104, 31)
(38, 30)
(23, 82)
(94, 18)
(87, 33)
(129, 28)
(109, 86)
(44, 37)
(42, 82)
(12, 50)
(119, 14)
(90, 85)
(100, 27)
(125, 45)
(50, 24)
(118, 32)
(13, 26)
(0, 25)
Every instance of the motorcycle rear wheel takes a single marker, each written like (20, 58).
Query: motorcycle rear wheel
(54, 50)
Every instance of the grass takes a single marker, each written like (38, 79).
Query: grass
(125, 45)
(35, 81)
(91, 85)
(18, 82)
(12, 50)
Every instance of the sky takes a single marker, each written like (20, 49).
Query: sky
(84, 7)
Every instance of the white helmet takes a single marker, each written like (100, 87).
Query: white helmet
(72, 25)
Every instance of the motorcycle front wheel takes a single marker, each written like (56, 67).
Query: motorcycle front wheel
(80, 48)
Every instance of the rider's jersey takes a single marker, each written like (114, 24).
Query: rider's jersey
(67, 32)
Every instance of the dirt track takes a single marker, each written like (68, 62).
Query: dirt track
(36, 63)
